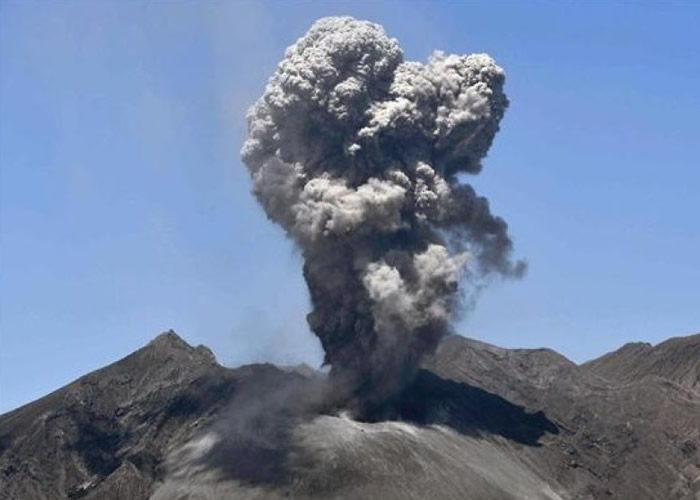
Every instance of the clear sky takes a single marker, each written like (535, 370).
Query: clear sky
(125, 210)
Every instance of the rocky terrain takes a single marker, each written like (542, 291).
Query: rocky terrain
(168, 422)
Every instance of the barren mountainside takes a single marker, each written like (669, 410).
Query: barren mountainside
(676, 359)
(478, 422)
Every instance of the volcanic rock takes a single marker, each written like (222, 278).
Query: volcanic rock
(478, 421)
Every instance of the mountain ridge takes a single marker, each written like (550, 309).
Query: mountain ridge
(566, 430)
(676, 359)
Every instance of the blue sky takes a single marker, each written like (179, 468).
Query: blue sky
(125, 210)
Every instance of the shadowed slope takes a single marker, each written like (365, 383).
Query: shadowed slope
(469, 410)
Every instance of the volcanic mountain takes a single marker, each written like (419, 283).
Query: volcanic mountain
(478, 421)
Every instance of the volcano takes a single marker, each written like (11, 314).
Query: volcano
(478, 421)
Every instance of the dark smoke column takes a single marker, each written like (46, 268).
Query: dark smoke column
(356, 153)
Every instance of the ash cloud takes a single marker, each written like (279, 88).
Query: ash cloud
(356, 153)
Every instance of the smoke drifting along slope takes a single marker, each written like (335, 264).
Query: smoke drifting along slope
(356, 154)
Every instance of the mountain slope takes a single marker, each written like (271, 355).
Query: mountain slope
(630, 438)
(677, 360)
(478, 422)
(105, 435)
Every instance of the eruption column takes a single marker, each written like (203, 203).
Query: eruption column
(356, 153)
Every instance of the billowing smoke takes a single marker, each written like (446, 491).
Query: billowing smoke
(357, 154)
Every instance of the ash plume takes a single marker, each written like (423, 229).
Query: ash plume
(357, 154)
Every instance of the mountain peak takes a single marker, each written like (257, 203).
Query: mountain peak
(170, 342)
(170, 339)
